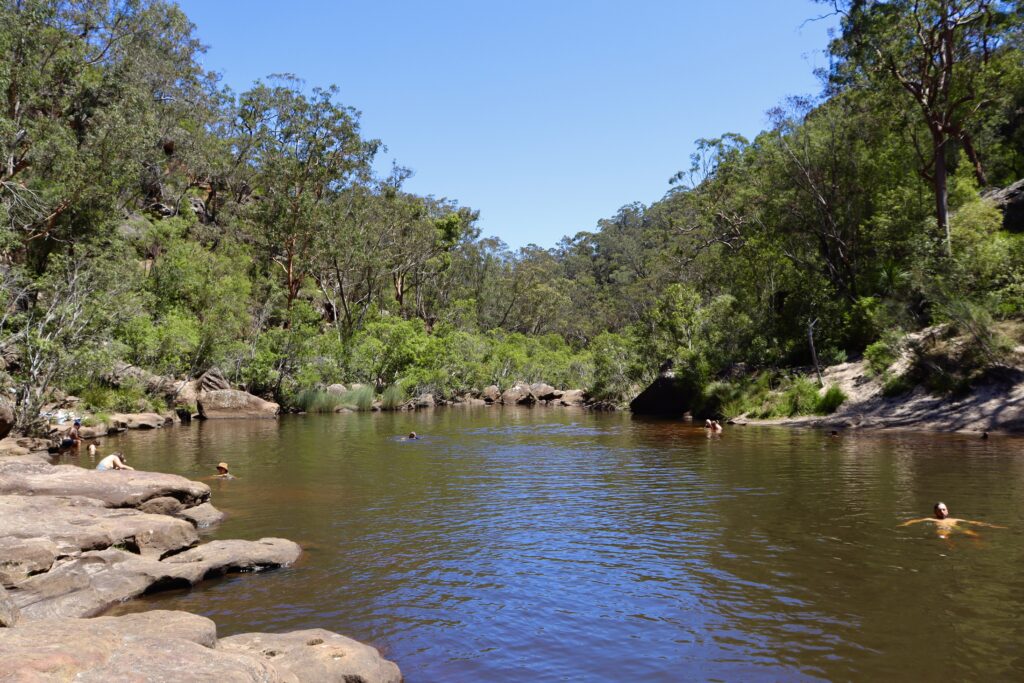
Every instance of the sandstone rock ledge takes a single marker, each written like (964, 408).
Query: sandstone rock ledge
(74, 542)
(178, 646)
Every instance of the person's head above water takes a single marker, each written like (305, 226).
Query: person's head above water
(412, 435)
(222, 468)
(941, 512)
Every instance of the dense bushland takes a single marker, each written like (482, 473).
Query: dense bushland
(148, 214)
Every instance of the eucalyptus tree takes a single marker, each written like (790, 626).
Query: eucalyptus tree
(947, 58)
(301, 152)
(86, 86)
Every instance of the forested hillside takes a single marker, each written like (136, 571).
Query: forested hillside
(150, 215)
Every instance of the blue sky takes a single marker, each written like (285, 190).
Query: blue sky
(544, 116)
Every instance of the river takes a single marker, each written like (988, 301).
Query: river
(560, 545)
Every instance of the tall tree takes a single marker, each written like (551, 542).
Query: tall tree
(943, 54)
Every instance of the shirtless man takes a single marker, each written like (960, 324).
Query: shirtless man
(945, 524)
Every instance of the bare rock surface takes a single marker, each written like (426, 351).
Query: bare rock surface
(23, 557)
(491, 394)
(202, 516)
(8, 610)
(544, 392)
(228, 403)
(138, 420)
(74, 524)
(518, 394)
(178, 646)
(97, 580)
(572, 397)
(6, 417)
(315, 655)
(213, 380)
(115, 488)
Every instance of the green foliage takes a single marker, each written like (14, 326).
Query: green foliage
(393, 397)
(883, 353)
(830, 401)
(317, 401)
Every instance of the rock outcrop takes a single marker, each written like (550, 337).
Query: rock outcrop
(114, 488)
(6, 417)
(73, 544)
(491, 394)
(1010, 201)
(518, 394)
(96, 580)
(227, 403)
(122, 421)
(171, 646)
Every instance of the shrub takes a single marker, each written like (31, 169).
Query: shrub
(883, 353)
(394, 397)
(317, 401)
(830, 401)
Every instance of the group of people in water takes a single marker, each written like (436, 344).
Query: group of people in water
(72, 441)
(944, 524)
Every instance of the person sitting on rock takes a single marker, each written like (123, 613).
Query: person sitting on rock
(945, 524)
(73, 439)
(222, 471)
(114, 461)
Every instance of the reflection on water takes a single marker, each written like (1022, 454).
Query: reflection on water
(562, 545)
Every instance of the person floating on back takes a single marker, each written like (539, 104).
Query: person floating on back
(945, 524)
(114, 461)
(222, 471)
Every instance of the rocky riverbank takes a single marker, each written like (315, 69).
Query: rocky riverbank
(995, 405)
(74, 542)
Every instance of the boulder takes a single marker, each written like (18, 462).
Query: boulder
(337, 389)
(518, 394)
(544, 392)
(572, 397)
(221, 557)
(667, 396)
(6, 417)
(114, 488)
(229, 403)
(213, 380)
(315, 655)
(8, 610)
(137, 420)
(177, 646)
(491, 394)
(424, 401)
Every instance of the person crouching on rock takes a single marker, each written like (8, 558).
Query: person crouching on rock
(114, 461)
(222, 471)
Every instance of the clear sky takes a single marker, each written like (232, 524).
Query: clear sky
(544, 115)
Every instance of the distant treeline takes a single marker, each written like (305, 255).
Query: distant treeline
(149, 214)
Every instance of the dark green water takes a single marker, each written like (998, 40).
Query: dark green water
(551, 545)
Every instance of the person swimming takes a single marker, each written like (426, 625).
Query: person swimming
(222, 471)
(412, 436)
(945, 524)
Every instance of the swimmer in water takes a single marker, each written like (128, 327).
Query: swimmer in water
(945, 524)
(412, 436)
